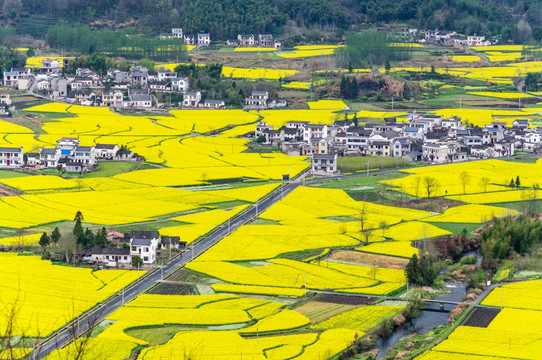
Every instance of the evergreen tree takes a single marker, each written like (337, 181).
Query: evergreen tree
(355, 120)
(412, 270)
(518, 183)
(512, 184)
(44, 241)
(55, 235)
(354, 90)
(78, 227)
(343, 86)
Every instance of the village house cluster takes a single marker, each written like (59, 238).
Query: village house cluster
(430, 138)
(124, 247)
(249, 40)
(67, 155)
(451, 38)
(203, 39)
(125, 89)
(446, 38)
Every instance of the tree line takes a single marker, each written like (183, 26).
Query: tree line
(115, 43)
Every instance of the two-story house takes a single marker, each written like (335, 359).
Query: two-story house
(50, 157)
(144, 244)
(204, 39)
(84, 155)
(11, 158)
(191, 98)
(179, 84)
(113, 98)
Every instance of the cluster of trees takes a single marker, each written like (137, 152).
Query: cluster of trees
(510, 235)
(349, 88)
(85, 237)
(370, 47)
(419, 271)
(82, 39)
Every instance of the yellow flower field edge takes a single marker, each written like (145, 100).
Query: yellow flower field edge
(258, 290)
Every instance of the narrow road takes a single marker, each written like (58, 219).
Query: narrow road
(65, 336)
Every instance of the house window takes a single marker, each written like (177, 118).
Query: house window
(146, 249)
(134, 248)
(126, 258)
(107, 257)
(145, 258)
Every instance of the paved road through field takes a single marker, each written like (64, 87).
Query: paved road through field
(94, 317)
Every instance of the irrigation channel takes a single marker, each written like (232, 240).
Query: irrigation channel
(430, 317)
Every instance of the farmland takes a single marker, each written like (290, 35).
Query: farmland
(513, 333)
(257, 293)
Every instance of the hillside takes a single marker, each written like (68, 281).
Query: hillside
(227, 18)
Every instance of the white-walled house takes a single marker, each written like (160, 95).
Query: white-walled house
(144, 248)
(84, 155)
(50, 157)
(191, 98)
(105, 151)
(324, 164)
(11, 157)
(179, 84)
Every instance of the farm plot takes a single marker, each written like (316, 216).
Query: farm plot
(513, 333)
(210, 326)
(482, 177)
(48, 296)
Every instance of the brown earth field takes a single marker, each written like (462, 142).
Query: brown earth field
(357, 257)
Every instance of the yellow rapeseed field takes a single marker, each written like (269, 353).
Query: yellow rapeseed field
(360, 319)
(326, 104)
(472, 213)
(49, 296)
(257, 73)
(465, 58)
(253, 49)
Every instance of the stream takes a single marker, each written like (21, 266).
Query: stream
(430, 317)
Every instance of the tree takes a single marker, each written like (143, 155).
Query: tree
(518, 183)
(484, 182)
(412, 270)
(44, 241)
(355, 120)
(137, 262)
(354, 89)
(55, 235)
(343, 86)
(512, 184)
(431, 185)
(464, 177)
(524, 31)
(78, 227)
(261, 139)
(384, 226)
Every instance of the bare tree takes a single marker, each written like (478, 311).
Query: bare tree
(431, 185)
(384, 226)
(484, 182)
(464, 177)
(68, 245)
(367, 235)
